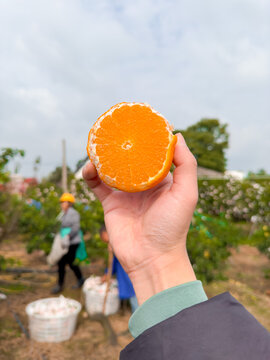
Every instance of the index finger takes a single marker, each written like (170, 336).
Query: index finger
(92, 179)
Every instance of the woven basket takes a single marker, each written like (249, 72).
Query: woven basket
(94, 300)
(52, 329)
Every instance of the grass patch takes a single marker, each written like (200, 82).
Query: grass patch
(266, 273)
(9, 328)
(13, 288)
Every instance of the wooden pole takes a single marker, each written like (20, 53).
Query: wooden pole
(110, 265)
(64, 167)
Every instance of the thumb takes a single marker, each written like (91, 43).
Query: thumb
(185, 173)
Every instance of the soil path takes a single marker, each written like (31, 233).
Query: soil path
(245, 281)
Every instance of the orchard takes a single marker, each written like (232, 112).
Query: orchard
(229, 213)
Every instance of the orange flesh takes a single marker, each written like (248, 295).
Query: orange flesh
(131, 146)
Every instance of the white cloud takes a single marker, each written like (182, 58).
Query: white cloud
(254, 62)
(40, 99)
(64, 63)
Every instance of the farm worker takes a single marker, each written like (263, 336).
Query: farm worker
(125, 287)
(175, 320)
(70, 227)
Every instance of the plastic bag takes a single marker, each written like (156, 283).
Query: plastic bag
(81, 253)
(57, 250)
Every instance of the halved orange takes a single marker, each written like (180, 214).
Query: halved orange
(131, 146)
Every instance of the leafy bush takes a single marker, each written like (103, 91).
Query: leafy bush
(5, 262)
(210, 238)
(39, 220)
(10, 205)
(10, 212)
(209, 243)
(261, 239)
(238, 200)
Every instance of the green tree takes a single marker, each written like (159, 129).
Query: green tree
(55, 176)
(208, 140)
(80, 163)
(10, 205)
(6, 155)
(261, 173)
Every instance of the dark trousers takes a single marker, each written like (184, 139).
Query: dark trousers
(68, 258)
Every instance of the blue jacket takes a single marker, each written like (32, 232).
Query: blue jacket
(125, 287)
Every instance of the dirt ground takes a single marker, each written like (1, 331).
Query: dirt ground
(246, 281)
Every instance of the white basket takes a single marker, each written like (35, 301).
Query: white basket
(52, 328)
(94, 299)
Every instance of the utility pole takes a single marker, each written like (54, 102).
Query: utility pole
(64, 167)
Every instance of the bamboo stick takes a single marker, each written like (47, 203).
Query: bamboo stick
(109, 276)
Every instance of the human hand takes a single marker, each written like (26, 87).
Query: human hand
(103, 278)
(148, 230)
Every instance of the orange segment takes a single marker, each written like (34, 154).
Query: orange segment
(131, 146)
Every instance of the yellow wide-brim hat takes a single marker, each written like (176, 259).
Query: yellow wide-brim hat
(67, 197)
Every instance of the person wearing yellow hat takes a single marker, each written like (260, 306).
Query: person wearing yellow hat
(70, 229)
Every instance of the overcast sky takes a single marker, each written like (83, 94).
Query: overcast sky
(65, 62)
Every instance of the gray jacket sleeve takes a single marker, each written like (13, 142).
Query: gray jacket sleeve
(75, 227)
(216, 329)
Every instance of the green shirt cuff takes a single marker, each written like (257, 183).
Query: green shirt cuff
(165, 304)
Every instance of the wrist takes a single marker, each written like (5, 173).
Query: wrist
(163, 272)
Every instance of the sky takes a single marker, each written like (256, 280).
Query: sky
(63, 63)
